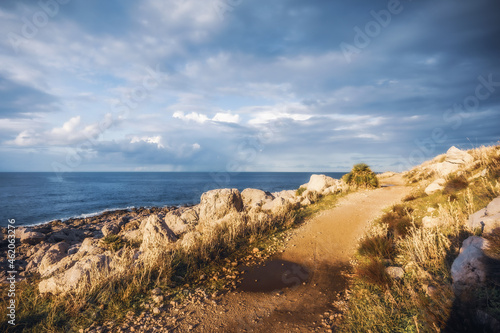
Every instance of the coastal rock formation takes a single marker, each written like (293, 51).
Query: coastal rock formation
(487, 218)
(27, 236)
(454, 159)
(319, 183)
(216, 204)
(76, 275)
(54, 254)
(468, 270)
(156, 234)
(436, 186)
(253, 198)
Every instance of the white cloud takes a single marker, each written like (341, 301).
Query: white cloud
(156, 140)
(221, 117)
(71, 132)
(226, 117)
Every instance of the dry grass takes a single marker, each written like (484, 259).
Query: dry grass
(423, 300)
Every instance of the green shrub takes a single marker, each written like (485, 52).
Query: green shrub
(361, 176)
(299, 191)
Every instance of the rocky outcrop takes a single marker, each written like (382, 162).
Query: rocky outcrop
(182, 220)
(216, 204)
(77, 274)
(155, 234)
(253, 198)
(319, 183)
(454, 160)
(487, 218)
(54, 254)
(436, 186)
(469, 270)
(27, 236)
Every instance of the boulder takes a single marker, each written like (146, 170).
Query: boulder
(468, 271)
(318, 183)
(255, 198)
(27, 236)
(457, 156)
(279, 206)
(68, 234)
(180, 220)
(134, 236)
(487, 218)
(216, 204)
(75, 276)
(54, 254)
(175, 223)
(155, 234)
(90, 246)
(436, 186)
(396, 273)
(36, 256)
(110, 229)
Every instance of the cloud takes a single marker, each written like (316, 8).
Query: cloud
(70, 133)
(220, 117)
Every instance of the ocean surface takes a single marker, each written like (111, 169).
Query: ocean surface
(34, 198)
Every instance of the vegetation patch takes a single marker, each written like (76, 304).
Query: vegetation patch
(361, 176)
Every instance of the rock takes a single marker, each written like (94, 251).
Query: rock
(76, 276)
(90, 246)
(394, 272)
(134, 236)
(279, 206)
(110, 229)
(155, 234)
(190, 240)
(436, 186)
(30, 237)
(69, 235)
(430, 222)
(174, 221)
(255, 198)
(216, 204)
(457, 156)
(318, 183)
(487, 218)
(37, 256)
(468, 270)
(54, 254)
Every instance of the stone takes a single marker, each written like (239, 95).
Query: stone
(279, 206)
(54, 254)
(174, 221)
(318, 183)
(487, 218)
(436, 186)
(90, 246)
(30, 237)
(216, 204)
(395, 272)
(468, 270)
(457, 156)
(110, 229)
(77, 275)
(255, 198)
(155, 234)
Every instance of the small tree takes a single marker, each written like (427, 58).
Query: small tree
(361, 176)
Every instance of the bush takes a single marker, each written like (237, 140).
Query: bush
(361, 176)
(378, 246)
(398, 220)
(374, 272)
(299, 191)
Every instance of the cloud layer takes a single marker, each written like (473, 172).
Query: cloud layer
(290, 85)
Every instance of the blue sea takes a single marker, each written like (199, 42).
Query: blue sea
(34, 198)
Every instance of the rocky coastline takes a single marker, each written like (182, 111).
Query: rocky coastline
(63, 253)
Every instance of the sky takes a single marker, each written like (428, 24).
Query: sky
(245, 85)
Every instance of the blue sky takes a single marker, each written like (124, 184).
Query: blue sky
(244, 85)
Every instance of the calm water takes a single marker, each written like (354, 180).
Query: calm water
(33, 198)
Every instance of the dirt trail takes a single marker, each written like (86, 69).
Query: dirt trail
(317, 253)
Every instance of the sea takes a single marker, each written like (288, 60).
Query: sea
(36, 198)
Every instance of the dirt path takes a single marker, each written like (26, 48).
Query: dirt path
(297, 291)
